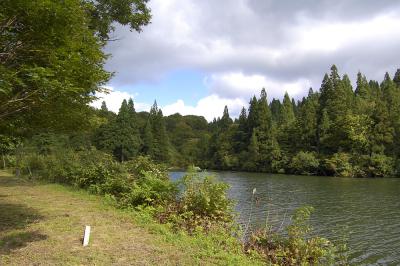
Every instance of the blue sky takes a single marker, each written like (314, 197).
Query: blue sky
(178, 84)
(197, 56)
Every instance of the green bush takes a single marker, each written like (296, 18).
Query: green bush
(205, 197)
(297, 247)
(304, 163)
(143, 164)
(339, 164)
(381, 165)
(150, 190)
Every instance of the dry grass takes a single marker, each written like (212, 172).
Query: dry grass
(42, 224)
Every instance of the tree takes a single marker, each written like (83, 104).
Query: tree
(121, 136)
(336, 103)
(391, 95)
(148, 139)
(104, 13)
(286, 125)
(225, 121)
(160, 144)
(275, 107)
(52, 59)
(396, 78)
(241, 137)
(307, 123)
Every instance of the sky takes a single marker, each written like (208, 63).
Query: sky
(198, 56)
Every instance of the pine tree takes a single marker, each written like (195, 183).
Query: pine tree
(241, 138)
(104, 106)
(337, 100)
(160, 145)
(225, 121)
(287, 116)
(262, 126)
(391, 95)
(148, 139)
(275, 107)
(307, 123)
(253, 159)
(396, 78)
(286, 125)
(127, 134)
(253, 115)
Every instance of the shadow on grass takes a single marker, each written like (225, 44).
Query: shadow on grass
(16, 216)
(18, 240)
(12, 181)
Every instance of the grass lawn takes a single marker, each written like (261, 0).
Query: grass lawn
(43, 224)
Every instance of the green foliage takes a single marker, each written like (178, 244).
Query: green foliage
(120, 136)
(52, 64)
(144, 164)
(104, 13)
(150, 190)
(339, 165)
(205, 197)
(380, 165)
(304, 163)
(52, 59)
(297, 247)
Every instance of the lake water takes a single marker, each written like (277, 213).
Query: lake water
(368, 210)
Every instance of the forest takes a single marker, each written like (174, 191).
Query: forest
(337, 131)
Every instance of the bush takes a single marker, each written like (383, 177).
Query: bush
(143, 164)
(381, 165)
(376, 165)
(206, 198)
(150, 190)
(202, 206)
(304, 163)
(339, 165)
(297, 247)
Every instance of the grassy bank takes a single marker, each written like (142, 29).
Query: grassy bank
(43, 223)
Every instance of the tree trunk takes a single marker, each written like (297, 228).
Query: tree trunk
(17, 161)
(4, 161)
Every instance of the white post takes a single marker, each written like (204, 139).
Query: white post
(86, 236)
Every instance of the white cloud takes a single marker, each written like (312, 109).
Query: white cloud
(114, 99)
(286, 41)
(237, 84)
(328, 36)
(210, 107)
(278, 45)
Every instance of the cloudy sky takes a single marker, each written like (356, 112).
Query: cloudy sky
(198, 56)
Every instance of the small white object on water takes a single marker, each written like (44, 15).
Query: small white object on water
(254, 191)
(86, 236)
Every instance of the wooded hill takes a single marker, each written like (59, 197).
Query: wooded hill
(337, 130)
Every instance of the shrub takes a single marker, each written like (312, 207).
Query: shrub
(381, 165)
(339, 165)
(376, 165)
(143, 164)
(202, 206)
(205, 197)
(297, 247)
(150, 190)
(304, 163)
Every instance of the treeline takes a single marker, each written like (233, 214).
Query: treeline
(337, 130)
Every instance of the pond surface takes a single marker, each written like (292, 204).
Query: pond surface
(366, 210)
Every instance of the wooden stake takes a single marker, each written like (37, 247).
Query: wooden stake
(86, 236)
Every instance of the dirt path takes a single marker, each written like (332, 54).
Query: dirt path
(42, 224)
